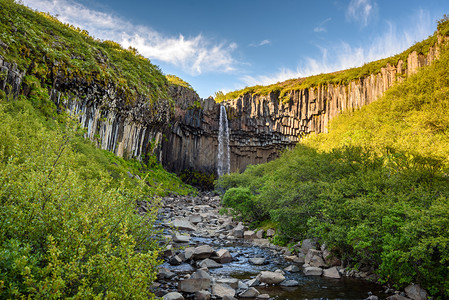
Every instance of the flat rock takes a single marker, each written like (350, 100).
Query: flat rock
(173, 296)
(253, 282)
(232, 282)
(249, 293)
(183, 224)
(331, 273)
(249, 235)
(263, 296)
(201, 252)
(195, 219)
(313, 271)
(209, 263)
(202, 295)
(271, 277)
(199, 274)
(181, 238)
(221, 290)
(292, 269)
(289, 283)
(164, 273)
(258, 261)
(193, 285)
(222, 256)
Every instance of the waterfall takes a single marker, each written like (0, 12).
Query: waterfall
(224, 155)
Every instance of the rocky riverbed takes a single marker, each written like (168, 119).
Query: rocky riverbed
(211, 256)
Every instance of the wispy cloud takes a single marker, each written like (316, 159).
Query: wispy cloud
(321, 27)
(261, 43)
(344, 56)
(195, 55)
(360, 11)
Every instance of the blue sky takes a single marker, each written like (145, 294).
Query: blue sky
(227, 45)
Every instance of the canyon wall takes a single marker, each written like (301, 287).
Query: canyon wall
(183, 132)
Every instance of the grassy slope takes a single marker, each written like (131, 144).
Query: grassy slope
(68, 222)
(45, 47)
(340, 77)
(375, 189)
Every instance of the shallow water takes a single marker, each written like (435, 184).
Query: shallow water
(310, 287)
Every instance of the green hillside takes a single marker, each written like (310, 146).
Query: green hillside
(375, 189)
(68, 217)
(282, 89)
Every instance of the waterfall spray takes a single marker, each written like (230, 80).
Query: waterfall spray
(224, 155)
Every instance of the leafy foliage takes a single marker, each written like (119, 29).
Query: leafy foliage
(68, 222)
(375, 189)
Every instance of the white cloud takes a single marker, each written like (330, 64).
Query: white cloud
(195, 55)
(262, 43)
(360, 11)
(321, 27)
(344, 56)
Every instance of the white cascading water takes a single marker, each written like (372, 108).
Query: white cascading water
(224, 159)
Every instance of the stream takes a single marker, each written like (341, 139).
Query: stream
(212, 229)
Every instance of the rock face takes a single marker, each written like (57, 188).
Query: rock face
(183, 133)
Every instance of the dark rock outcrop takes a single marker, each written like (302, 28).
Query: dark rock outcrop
(183, 133)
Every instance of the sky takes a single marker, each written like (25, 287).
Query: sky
(228, 45)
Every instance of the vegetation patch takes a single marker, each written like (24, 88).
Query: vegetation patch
(375, 189)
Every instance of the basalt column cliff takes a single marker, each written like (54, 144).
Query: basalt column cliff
(186, 137)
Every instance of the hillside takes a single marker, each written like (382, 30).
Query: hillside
(343, 77)
(69, 223)
(375, 189)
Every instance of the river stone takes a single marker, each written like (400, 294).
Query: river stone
(193, 285)
(258, 261)
(259, 233)
(261, 242)
(242, 286)
(221, 290)
(249, 235)
(164, 273)
(297, 259)
(200, 274)
(181, 238)
(201, 252)
(289, 283)
(331, 273)
(202, 295)
(263, 296)
(223, 256)
(209, 263)
(415, 292)
(175, 260)
(292, 269)
(188, 253)
(232, 282)
(314, 258)
(253, 282)
(397, 297)
(270, 232)
(249, 293)
(271, 277)
(173, 296)
(195, 219)
(308, 244)
(313, 271)
(183, 224)
(238, 230)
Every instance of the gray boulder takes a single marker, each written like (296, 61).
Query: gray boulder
(308, 244)
(313, 271)
(258, 261)
(292, 269)
(222, 256)
(173, 296)
(250, 293)
(183, 224)
(201, 252)
(331, 273)
(202, 295)
(193, 285)
(415, 292)
(271, 277)
(314, 258)
(209, 263)
(222, 290)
